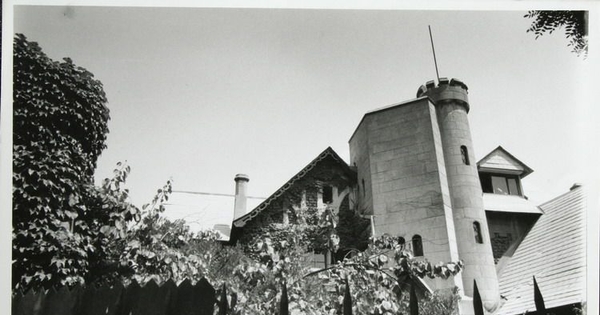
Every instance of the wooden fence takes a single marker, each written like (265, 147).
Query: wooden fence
(168, 299)
(151, 299)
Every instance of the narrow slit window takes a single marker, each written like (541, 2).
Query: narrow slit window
(417, 244)
(477, 232)
(465, 154)
(364, 188)
(327, 194)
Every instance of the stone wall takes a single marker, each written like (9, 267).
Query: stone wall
(508, 228)
(402, 162)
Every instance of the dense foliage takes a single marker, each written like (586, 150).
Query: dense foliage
(379, 273)
(379, 277)
(574, 22)
(60, 125)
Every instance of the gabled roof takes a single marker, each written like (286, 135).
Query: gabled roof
(241, 221)
(501, 161)
(554, 251)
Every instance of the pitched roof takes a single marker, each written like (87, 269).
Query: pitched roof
(500, 160)
(554, 252)
(241, 221)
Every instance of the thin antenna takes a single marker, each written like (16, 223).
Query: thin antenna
(434, 59)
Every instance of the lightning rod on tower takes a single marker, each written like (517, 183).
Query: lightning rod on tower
(434, 59)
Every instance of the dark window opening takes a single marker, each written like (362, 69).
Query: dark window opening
(486, 183)
(401, 242)
(316, 259)
(417, 244)
(500, 244)
(465, 155)
(327, 194)
(513, 188)
(498, 184)
(364, 188)
(505, 185)
(477, 232)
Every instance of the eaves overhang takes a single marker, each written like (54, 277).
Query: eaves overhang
(509, 203)
(329, 152)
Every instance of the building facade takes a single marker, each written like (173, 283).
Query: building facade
(415, 171)
(412, 174)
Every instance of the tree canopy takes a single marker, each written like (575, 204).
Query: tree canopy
(574, 22)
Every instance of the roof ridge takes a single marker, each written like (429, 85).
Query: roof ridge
(578, 191)
(241, 221)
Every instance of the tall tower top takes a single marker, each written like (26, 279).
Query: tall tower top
(452, 90)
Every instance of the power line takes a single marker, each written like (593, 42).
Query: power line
(212, 194)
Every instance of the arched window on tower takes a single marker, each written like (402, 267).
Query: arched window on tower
(465, 154)
(417, 245)
(477, 232)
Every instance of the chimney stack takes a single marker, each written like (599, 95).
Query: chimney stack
(241, 184)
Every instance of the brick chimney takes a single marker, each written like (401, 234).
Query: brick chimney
(241, 184)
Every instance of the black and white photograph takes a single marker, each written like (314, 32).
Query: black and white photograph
(300, 158)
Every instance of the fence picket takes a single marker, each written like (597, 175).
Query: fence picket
(76, 292)
(477, 302)
(284, 308)
(101, 301)
(185, 302)
(171, 291)
(153, 300)
(58, 302)
(31, 303)
(206, 297)
(129, 298)
(222, 303)
(16, 302)
(538, 298)
(347, 302)
(413, 301)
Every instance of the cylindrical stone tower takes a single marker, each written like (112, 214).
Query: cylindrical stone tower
(472, 235)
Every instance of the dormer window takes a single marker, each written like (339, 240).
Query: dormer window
(501, 173)
(500, 184)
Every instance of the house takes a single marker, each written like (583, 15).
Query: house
(509, 214)
(412, 174)
(326, 183)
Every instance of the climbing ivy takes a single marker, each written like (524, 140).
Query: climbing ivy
(59, 130)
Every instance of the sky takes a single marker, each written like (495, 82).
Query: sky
(198, 95)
